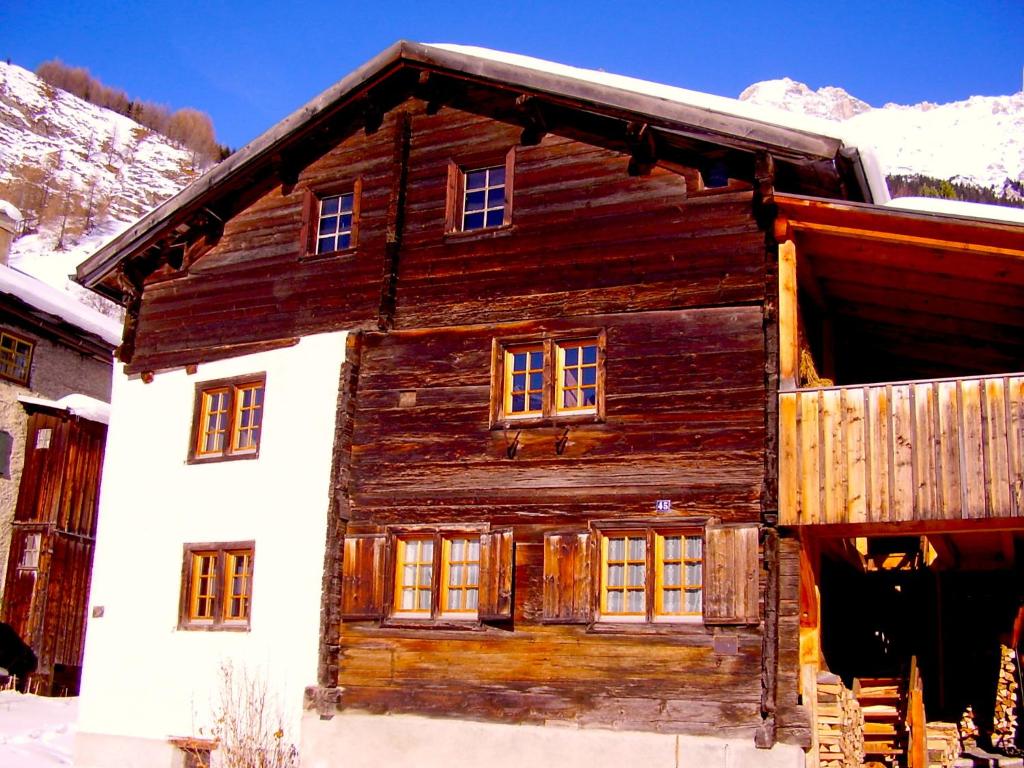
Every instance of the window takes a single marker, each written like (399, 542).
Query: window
(480, 195)
(15, 357)
(649, 575)
(216, 586)
(615, 576)
(228, 419)
(551, 378)
(334, 223)
(330, 223)
(454, 577)
(30, 554)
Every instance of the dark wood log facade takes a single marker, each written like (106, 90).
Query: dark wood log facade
(671, 276)
(46, 595)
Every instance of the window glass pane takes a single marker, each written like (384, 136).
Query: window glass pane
(474, 549)
(671, 601)
(426, 575)
(428, 549)
(476, 179)
(472, 599)
(615, 602)
(615, 575)
(589, 396)
(569, 398)
(693, 601)
(616, 549)
(473, 221)
(636, 575)
(345, 222)
(536, 360)
(536, 401)
(519, 382)
(693, 573)
(328, 226)
(424, 600)
(328, 206)
(457, 546)
(518, 403)
(536, 381)
(589, 354)
(325, 245)
(572, 355)
(495, 218)
(637, 548)
(346, 204)
(344, 241)
(589, 376)
(694, 545)
(636, 602)
(453, 600)
(497, 176)
(473, 577)
(671, 575)
(475, 201)
(569, 378)
(496, 198)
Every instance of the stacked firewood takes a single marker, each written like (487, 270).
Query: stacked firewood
(968, 727)
(840, 725)
(943, 744)
(1004, 719)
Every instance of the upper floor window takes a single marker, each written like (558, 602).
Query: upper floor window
(216, 590)
(30, 554)
(228, 419)
(15, 357)
(334, 223)
(550, 378)
(330, 221)
(480, 195)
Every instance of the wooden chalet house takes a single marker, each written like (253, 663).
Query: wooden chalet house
(450, 409)
(56, 358)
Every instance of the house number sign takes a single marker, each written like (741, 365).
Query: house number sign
(663, 505)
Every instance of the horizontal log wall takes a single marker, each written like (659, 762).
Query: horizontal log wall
(950, 449)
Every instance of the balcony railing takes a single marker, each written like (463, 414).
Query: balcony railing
(944, 449)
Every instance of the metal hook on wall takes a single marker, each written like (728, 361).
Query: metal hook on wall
(561, 441)
(511, 449)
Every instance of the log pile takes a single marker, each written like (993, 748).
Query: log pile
(968, 727)
(840, 725)
(943, 744)
(1004, 719)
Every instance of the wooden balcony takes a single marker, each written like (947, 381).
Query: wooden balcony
(943, 450)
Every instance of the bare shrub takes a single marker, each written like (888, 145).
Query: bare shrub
(248, 725)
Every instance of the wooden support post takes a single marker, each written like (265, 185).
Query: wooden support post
(396, 222)
(764, 738)
(789, 344)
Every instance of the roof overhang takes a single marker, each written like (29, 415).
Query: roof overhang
(672, 116)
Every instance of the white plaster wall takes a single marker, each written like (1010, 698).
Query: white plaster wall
(143, 677)
(372, 741)
(56, 371)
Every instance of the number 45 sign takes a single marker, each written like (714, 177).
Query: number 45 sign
(663, 505)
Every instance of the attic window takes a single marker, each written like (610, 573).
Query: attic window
(480, 195)
(15, 357)
(334, 223)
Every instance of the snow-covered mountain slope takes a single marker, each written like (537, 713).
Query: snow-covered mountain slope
(78, 173)
(979, 140)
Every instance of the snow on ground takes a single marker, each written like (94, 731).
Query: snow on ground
(36, 731)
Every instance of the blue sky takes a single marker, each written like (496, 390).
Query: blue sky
(250, 64)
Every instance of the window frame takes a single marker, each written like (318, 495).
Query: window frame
(222, 553)
(654, 587)
(17, 339)
(456, 193)
(553, 347)
(437, 615)
(313, 197)
(231, 450)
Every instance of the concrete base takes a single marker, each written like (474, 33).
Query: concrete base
(372, 741)
(100, 750)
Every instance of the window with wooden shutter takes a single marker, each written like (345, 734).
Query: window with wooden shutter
(497, 567)
(731, 574)
(362, 577)
(568, 578)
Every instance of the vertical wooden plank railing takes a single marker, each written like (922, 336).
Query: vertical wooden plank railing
(943, 449)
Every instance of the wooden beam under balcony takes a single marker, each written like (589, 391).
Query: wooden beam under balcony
(936, 450)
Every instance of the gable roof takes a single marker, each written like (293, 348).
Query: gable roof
(687, 115)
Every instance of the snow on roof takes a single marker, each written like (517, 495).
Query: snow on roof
(59, 303)
(720, 104)
(959, 208)
(79, 405)
(12, 212)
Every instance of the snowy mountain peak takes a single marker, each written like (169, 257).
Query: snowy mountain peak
(829, 102)
(78, 173)
(979, 140)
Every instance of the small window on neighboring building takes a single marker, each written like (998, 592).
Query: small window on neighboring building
(228, 419)
(551, 378)
(217, 586)
(15, 357)
(30, 554)
(6, 445)
(480, 196)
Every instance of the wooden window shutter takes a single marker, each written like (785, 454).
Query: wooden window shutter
(731, 574)
(496, 573)
(568, 578)
(362, 577)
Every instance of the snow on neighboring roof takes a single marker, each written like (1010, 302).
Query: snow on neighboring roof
(12, 213)
(60, 303)
(959, 208)
(721, 104)
(78, 405)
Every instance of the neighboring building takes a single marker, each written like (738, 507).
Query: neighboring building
(508, 338)
(56, 358)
